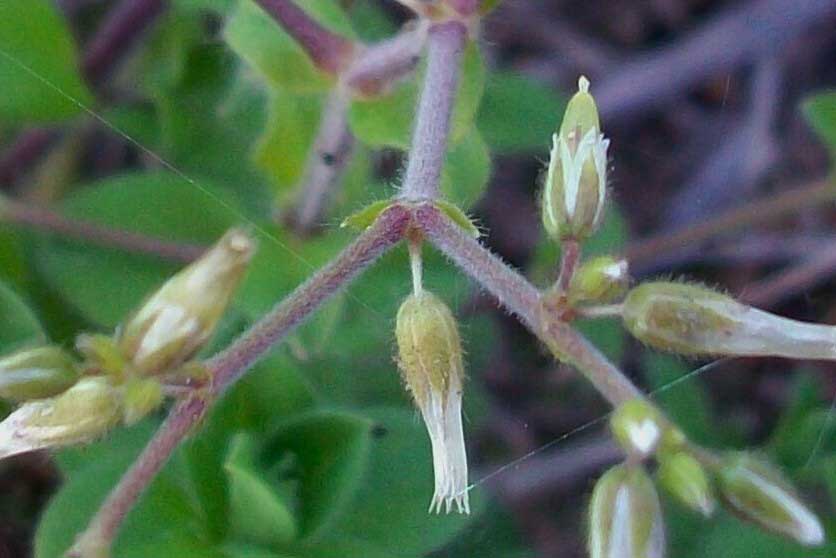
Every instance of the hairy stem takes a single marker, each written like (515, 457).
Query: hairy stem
(231, 364)
(570, 255)
(519, 296)
(103, 528)
(432, 125)
(326, 161)
(41, 219)
(328, 51)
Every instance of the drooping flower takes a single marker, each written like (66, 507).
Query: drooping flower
(431, 363)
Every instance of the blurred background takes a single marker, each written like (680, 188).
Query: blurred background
(722, 116)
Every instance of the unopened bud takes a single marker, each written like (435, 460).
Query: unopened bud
(576, 182)
(601, 279)
(757, 492)
(638, 427)
(142, 396)
(36, 373)
(81, 414)
(102, 354)
(684, 477)
(692, 319)
(430, 358)
(181, 316)
(625, 518)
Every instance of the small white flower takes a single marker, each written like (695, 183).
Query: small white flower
(442, 414)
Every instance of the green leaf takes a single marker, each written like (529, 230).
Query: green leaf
(518, 114)
(165, 509)
(262, 42)
(19, 326)
(390, 509)
(387, 121)
(283, 148)
(466, 170)
(330, 450)
(687, 403)
(13, 266)
(487, 6)
(105, 284)
(257, 512)
(820, 111)
(38, 65)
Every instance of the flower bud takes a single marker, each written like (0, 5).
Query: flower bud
(576, 182)
(81, 414)
(601, 279)
(692, 319)
(757, 492)
(684, 477)
(430, 359)
(142, 396)
(181, 316)
(638, 427)
(36, 373)
(625, 518)
(101, 354)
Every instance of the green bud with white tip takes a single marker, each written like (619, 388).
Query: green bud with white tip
(757, 492)
(182, 315)
(638, 427)
(684, 477)
(576, 182)
(36, 373)
(599, 280)
(625, 517)
(696, 320)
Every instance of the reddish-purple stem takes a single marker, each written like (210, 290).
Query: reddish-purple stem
(120, 29)
(445, 46)
(328, 51)
(41, 219)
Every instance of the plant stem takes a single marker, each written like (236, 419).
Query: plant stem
(235, 360)
(103, 528)
(326, 161)
(38, 218)
(231, 364)
(118, 32)
(432, 125)
(569, 257)
(380, 65)
(519, 296)
(328, 51)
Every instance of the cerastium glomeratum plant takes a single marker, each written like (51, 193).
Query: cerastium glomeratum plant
(118, 379)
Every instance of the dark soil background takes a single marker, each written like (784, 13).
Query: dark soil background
(701, 99)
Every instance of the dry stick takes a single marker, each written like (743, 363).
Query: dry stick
(794, 281)
(326, 161)
(757, 212)
(231, 364)
(41, 219)
(328, 51)
(519, 296)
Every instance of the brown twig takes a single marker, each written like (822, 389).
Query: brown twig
(45, 220)
(328, 51)
(655, 248)
(784, 285)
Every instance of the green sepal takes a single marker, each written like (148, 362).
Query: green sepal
(363, 219)
(459, 217)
